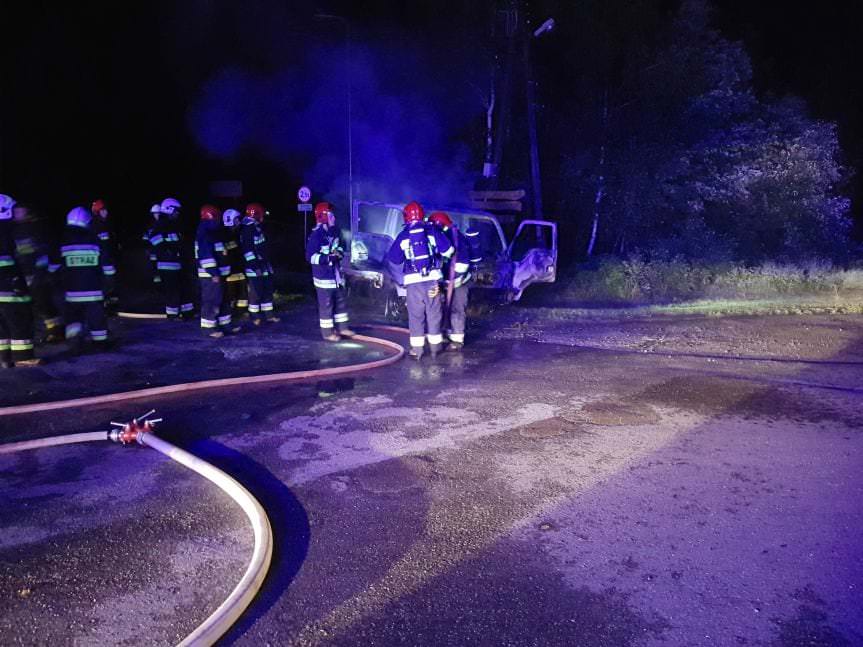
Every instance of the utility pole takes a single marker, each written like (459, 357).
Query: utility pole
(536, 184)
(506, 21)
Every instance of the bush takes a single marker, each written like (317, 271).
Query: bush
(641, 280)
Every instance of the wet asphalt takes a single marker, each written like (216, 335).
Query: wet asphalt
(675, 482)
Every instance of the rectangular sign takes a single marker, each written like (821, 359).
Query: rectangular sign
(304, 206)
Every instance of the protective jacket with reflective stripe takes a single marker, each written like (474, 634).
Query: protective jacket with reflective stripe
(466, 255)
(166, 241)
(322, 242)
(205, 250)
(81, 265)
(253, 244)
(13, 287)
(400, 254)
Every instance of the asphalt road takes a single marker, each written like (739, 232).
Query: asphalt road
(658, 482)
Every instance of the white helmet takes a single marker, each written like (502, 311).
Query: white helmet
(170, 206)
(79, 217)
(155, 209)
(231, 217)
(6, 205)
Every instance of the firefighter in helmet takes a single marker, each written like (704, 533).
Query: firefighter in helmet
(166, 240)
(148, 233)
(457, 275)
(325, 253)
(33, 260)
(259, 270)
(16, 315)
(420, 250)
(102, 228)
(212, 273)
(82, 274)
(236, 284)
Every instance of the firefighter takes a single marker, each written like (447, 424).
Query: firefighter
(457, 275)
(16, 314)
(167, 240)
(209, 249)
(31, 254)
(259, 271)
(236, 284)
(102, 228)
(148, 233)
(420, 250)
(82, 277)
(324, 252)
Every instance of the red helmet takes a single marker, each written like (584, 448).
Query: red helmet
(323, 211)
(211, 212)
(256, 210)
(97, 206)
(441, 219)
(413, 212)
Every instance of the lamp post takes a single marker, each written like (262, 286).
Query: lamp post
(547, 26)
(347, 26)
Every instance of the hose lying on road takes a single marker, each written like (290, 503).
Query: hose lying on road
(218, 622)
(209, 631)
(290, 376)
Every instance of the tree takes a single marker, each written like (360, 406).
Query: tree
(693, 164)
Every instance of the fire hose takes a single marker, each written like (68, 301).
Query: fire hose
(139, 431)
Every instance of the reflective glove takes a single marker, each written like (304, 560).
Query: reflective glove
(433, 292)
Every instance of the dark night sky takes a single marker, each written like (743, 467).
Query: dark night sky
(97, 96)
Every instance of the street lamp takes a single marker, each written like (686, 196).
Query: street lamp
(347, 26)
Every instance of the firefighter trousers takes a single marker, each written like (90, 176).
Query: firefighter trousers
(332, 309)
(177, 292)
(238, 293)
(261, 296)
(215, 307)
(458, 314)
(16, 330)
(42, 291)
(91, 314)
(425, 312)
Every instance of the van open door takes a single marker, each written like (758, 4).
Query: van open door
(533, 254)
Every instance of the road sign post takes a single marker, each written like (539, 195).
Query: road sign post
(304, 195)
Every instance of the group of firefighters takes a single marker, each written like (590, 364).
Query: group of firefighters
(231, 260)
(431, 258)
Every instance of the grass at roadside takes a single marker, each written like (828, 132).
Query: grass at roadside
(636, 288)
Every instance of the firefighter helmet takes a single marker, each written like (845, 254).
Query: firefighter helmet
(323, 211)
(210, 212)
(440, 219)
(170, 206)
(156, 209)
(98, 206)
(413, 212)
(6, 206)
(231, 217)
(256, 210)
(79, 217)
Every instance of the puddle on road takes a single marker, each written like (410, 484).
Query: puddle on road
(614, 414)
(551, 428)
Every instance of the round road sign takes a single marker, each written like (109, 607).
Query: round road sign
(304, 194)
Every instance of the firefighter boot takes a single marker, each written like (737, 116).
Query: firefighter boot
(435, 349)
(347, 332)
(416, 352)
(455, 346)
(329, 334)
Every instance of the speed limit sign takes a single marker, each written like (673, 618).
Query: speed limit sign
(304, 194)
